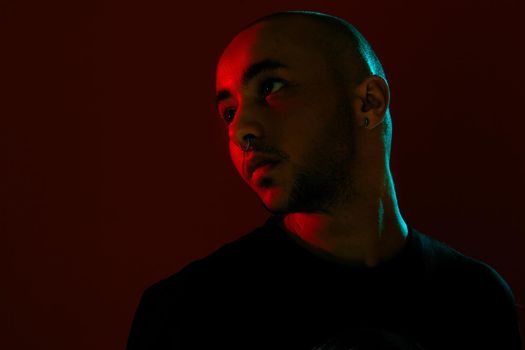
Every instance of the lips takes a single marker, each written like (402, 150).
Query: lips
(259, 161)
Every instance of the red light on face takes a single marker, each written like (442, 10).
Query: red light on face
(280, 93)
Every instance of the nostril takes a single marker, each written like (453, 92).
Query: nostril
(248, 137)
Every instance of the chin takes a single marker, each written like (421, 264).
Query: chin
(274, 200)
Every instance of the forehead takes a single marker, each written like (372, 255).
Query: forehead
(293, 42)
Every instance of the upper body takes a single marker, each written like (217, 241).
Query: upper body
(305, 102)
(267, 291)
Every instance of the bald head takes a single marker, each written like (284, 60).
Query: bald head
(310, 94)
(348, 49)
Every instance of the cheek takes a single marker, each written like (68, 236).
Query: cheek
(236, 156)
(319, 133)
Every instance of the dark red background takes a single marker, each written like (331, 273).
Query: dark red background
(115, 171)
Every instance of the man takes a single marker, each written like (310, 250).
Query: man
(306, 104)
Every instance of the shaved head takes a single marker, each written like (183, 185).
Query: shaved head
(309, 92)
(341, 41)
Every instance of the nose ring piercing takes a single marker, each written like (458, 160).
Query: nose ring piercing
(246, 147)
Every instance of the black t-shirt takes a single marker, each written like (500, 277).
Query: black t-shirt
(266, 291)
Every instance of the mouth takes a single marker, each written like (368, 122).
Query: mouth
(260, 162)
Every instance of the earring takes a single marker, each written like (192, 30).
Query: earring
(367, 121)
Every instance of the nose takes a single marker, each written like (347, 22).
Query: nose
(246, 128)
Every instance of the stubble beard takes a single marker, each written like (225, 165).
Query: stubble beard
(326, 183)
(322, 188)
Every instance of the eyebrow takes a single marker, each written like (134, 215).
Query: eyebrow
(250, 73)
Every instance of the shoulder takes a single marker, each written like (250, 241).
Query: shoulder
(442, 260)
(229, 260)
(481, 301)
(202, 283)
(458, 276)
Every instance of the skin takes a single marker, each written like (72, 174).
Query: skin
(333, 183)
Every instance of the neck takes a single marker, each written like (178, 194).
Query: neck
(364, 231)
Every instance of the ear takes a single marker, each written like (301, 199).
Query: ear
(371, 100)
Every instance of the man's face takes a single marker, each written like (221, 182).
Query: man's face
(275, 84)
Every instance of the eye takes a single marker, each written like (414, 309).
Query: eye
(228, 114)
(271, 86)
